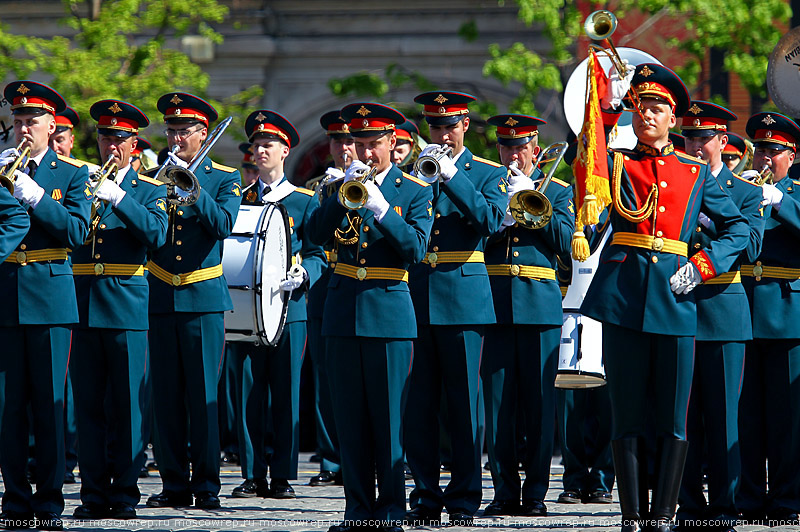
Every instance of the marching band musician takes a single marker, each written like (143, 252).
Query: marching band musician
(723, 326)
(343, 152)
(109, 358)
(470, 202)
(518, 368)
(249, 168)
(188, 295)
(768, 416)
(140, 162)
(39, 291)
(641, 291)
(63, 139)
(403, 153)
(271, 375)
(734, 151)
(369, 317)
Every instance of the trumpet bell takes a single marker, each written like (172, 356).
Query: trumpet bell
(7, 176)
(531, 209)
(428, 169)
(600, 25)
(353, 195)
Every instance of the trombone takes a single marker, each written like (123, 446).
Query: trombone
(531, 208)
(353, 194)
(7, 175)
(600, 26)
(184, 178)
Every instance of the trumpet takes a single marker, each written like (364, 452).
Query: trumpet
(428, 167)
(184, 178)
(108, 170)
(7, 175)
(600, 26)
(531, 208)
(353, 194)
(761, 177)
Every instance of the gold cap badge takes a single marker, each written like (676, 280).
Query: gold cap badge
(646, 72)
(115, 108)
(363, 111)
(440, 99)
(511, 121)
(695, 110)
(768, 120)
(176, 100)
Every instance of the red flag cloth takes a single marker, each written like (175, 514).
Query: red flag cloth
(592, 191)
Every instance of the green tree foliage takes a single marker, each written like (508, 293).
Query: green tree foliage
(119, 49)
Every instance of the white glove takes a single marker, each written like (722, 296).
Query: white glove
(704, 220)
(296, 276)
(174, 159)
(749, 174)
(375, 201)
(519, 181)
(618, 88)
(509, 220)
(355, 170)
(334, 174)
(447, 169)
(8, 156)
(772, 196)
(685, 279)
(27, 190)
(111, 192)
(428, 149)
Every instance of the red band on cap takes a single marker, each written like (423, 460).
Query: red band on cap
(691, 123)
(517, 132)
(731, 149)
(64, 121)
(650, 88)
(402, 134)
(185, 112)
(33, 102)
(774, 136)
(371, 124)
(445, 110)
(338, 128)
(113, 122)
(272, 129)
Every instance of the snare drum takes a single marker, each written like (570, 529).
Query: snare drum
(580, 356)
(255, 259)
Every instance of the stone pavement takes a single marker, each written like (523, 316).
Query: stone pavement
(316, 508)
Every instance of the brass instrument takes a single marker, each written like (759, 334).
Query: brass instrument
(765, 175)
(531, 208)
(353, 194)
(599, 26)
(184, 178)
(428, 167)
(7, 177)
(108, 170)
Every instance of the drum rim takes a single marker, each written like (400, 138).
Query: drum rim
(260, 333)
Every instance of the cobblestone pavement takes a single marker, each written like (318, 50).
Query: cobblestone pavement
(316, 508)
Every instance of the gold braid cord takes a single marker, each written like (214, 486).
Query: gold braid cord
(354, 229)
(637, 216)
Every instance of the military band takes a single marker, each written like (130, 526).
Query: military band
(425, 289)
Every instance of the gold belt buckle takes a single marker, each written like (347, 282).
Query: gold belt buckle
(658, 244)
(176, 280)
(432, 258)
(514, 270)
(361, 274)
(22, 257)
(758, 270)
(99, 269)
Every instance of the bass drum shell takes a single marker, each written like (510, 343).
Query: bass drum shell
(580, 355)
(256, 258)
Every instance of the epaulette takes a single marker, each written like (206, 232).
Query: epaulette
(485, 161)
(148, 179)
(74, 162)
(796, 182)
(562, 183)
(740, 178)
(693, 159)
(217, 166)
(304, 191)
(415, 180)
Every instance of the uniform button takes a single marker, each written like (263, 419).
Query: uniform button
(659, 233)
(516, 253)
(661, 162)
(23, 247)
(180, 213)
(663, 184)
(366, 229)
(515, 239)
(364, 245)
(178, 243)
(654, 259)
(699, 229)
(102, 226)
(178, 257)
(435, 248)
(99, 240)
(179, 227)
(437, 215)
(697, 246)
(694, 169)
(362, 261)
(97, 255)
(435, 231)
(662, 209)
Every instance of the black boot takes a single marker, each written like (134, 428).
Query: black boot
(670, 460)
(628, 471)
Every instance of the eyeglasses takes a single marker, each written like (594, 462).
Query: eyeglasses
(180, 133)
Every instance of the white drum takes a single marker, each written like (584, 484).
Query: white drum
(580, 356)
(255, 259)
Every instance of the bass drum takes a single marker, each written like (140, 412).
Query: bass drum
(255, 259)
(580, 356)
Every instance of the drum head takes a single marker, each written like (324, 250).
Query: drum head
(783, 73)
(273, 259)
